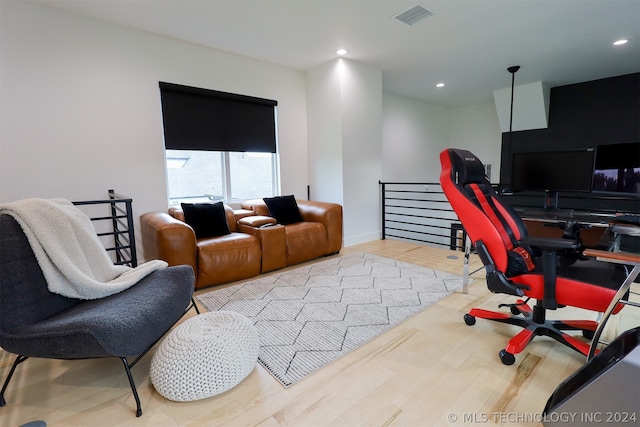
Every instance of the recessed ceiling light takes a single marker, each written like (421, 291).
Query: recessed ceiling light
(341, 52)
(620, 42)
(440, 85)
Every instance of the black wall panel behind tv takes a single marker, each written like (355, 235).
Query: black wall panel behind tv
(582, 115)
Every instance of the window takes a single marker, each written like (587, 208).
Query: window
(200, 176)
(219, 146)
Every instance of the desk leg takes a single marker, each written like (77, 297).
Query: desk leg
(616, 299)
(465, 268)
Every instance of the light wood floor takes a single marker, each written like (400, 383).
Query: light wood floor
(432, 370)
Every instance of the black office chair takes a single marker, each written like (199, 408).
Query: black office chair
(522, 266)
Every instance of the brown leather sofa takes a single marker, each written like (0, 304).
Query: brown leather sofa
(255, 245)
(319, 234)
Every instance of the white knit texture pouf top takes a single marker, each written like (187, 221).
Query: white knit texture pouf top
(206, 355)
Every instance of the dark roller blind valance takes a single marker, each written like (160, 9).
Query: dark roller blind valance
(202, 119)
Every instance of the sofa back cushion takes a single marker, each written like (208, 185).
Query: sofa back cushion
(258, 206)
(305, 241)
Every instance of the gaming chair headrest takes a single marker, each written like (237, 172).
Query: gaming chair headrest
(467, 166)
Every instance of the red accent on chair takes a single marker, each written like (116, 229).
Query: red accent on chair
(486, 314)
(500, 238)
(523, 307)
(582, 324)
(520, 341)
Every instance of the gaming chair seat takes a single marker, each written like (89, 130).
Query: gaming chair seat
(523, 266)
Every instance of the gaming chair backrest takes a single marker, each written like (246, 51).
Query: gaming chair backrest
(482, 213)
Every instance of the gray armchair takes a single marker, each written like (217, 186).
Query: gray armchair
(37, 323)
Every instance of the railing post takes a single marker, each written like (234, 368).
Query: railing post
(114, 224)
(132, 237)
(384, 197)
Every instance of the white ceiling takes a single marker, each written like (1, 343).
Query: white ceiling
(467, 44)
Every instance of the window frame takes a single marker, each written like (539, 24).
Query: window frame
(228, 185)
(226, 181)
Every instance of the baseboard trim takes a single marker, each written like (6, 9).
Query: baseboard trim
(361, 238)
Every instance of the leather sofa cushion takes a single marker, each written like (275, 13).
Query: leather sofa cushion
(305, 241)
(228, 258)
(257, 205)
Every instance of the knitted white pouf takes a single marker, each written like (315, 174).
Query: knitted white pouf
(204, 356)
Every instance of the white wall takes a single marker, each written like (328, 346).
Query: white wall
(81, 111)
(476, 129)
(345, 140)
(325, 134)
(413, 134)
(361, 114)
(530, 106)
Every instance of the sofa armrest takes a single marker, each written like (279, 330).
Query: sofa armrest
(167, 238)
(273, 241)
(328, 214)
(258, 221)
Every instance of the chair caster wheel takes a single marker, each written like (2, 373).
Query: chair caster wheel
(507, 358)
(515, 310)
(469, 320)
(588, 334)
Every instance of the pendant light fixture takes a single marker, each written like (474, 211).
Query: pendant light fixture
(513, 70)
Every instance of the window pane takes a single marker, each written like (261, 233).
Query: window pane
(251, 175)
(194, 176)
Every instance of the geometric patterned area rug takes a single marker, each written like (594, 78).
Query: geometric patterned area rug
(310, 316)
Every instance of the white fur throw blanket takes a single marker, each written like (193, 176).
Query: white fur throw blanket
(70, 253)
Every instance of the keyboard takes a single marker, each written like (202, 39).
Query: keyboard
(630, 219)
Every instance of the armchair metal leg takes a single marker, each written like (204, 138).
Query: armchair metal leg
(133, 386)
(128, 366)
(193, 304)
(18, 361)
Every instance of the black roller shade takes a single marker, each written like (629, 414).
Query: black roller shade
(202, 119)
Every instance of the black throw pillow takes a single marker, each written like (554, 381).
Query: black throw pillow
(284, 209)
(206, 219)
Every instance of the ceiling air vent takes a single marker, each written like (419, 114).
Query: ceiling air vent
(414, 15)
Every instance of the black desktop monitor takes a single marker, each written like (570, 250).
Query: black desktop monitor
(553, 171)
(617, 169)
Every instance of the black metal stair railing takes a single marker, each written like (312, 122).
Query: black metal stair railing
(420, 212)
(114, 226)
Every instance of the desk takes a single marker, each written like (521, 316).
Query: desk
(565, 215)
(551, 222)
(621, 258)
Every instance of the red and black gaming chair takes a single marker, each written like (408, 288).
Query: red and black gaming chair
(524, 266)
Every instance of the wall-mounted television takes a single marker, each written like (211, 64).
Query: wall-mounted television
(617, 169)
(553, 171)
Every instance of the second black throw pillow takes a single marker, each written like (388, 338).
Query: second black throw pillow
(284, 209)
